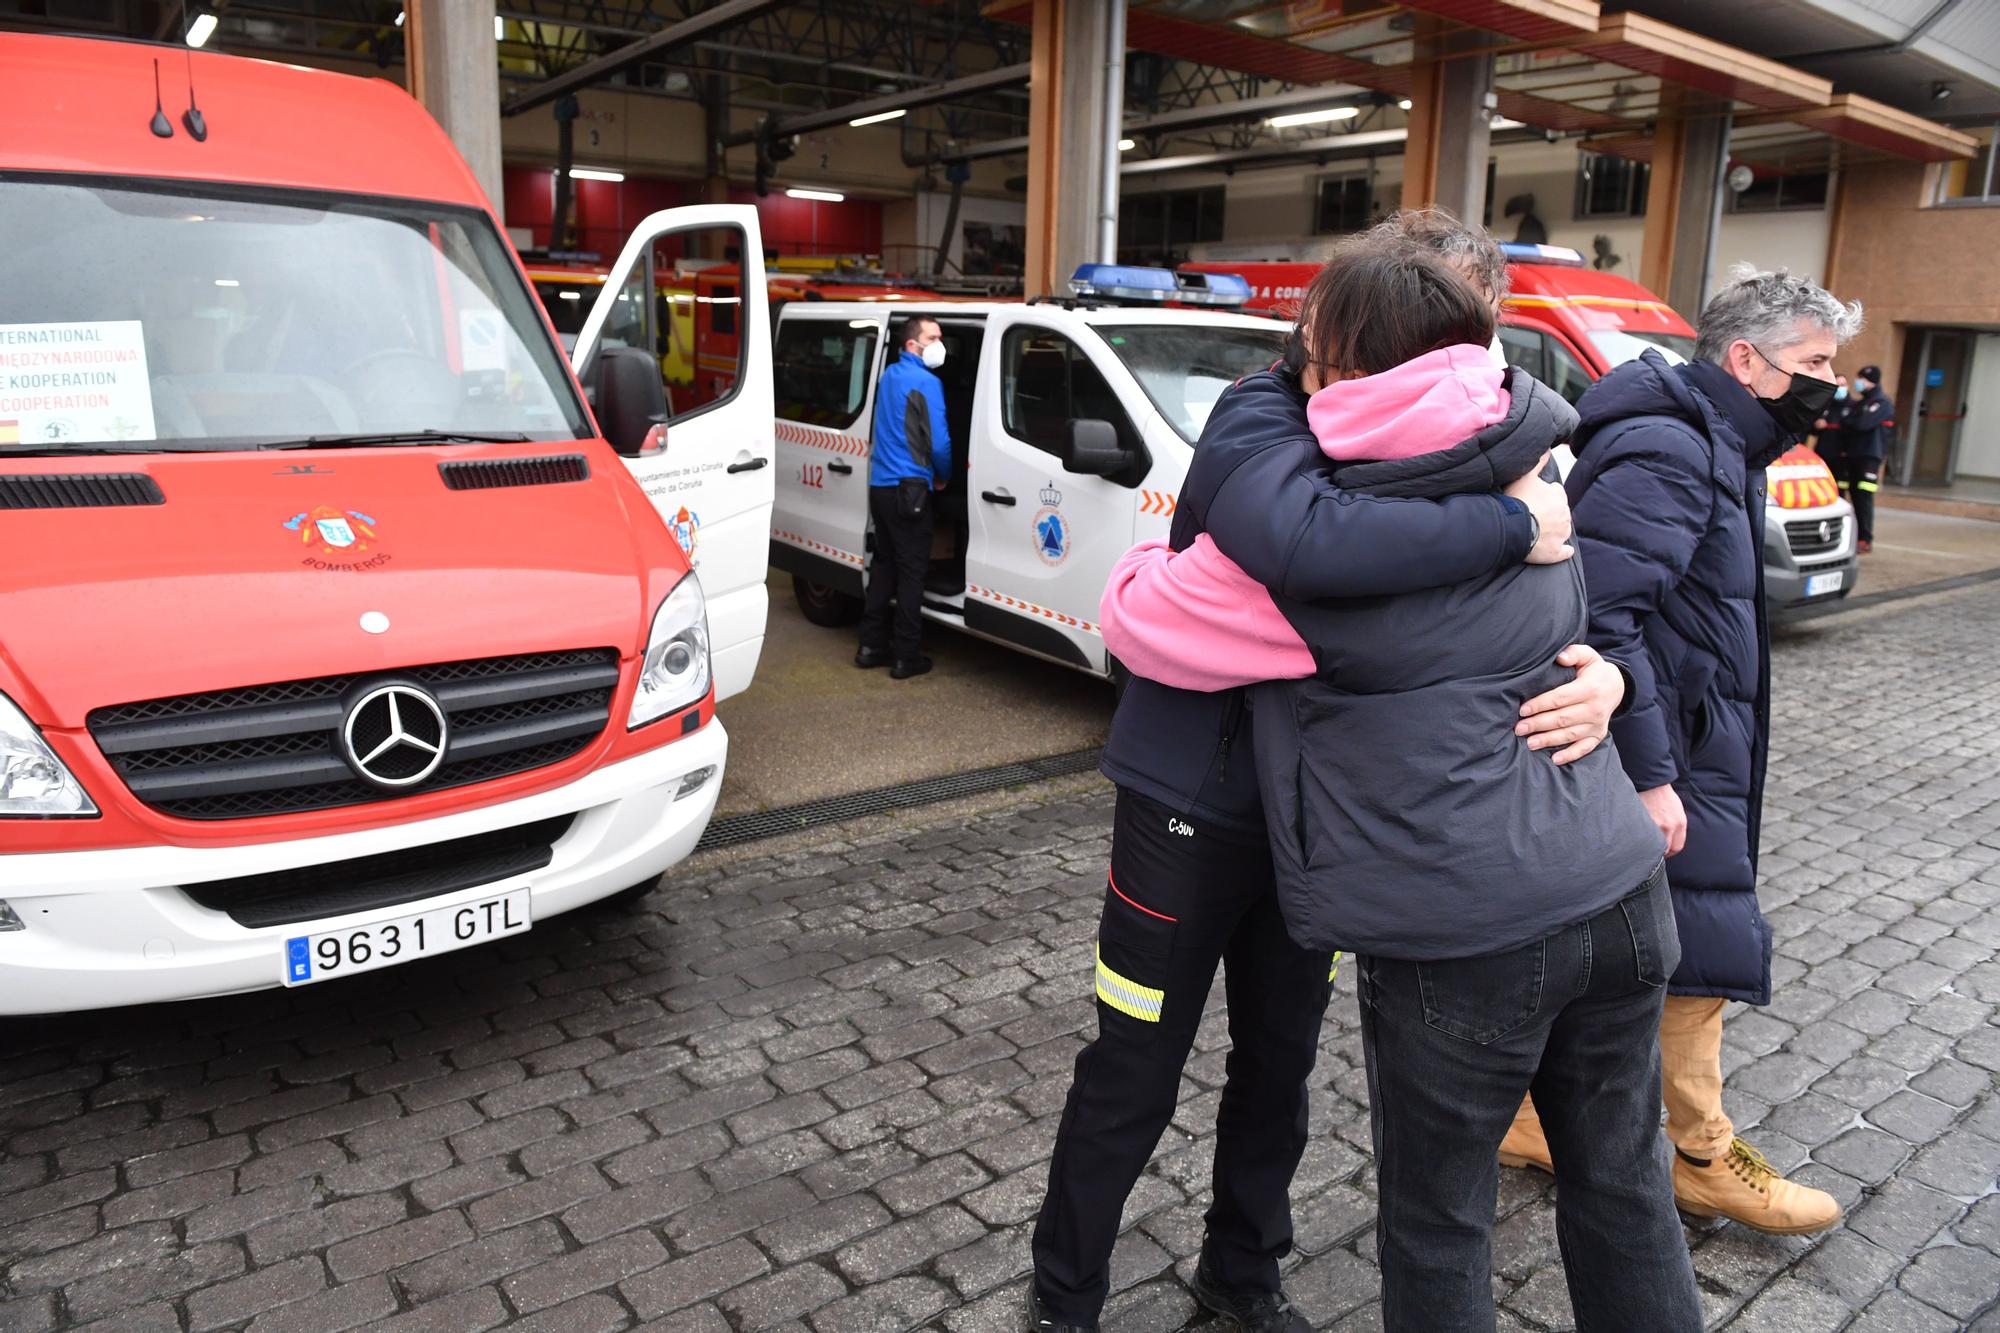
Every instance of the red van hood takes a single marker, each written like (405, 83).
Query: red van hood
(262, 567)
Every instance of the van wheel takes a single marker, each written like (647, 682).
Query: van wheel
(823, 606)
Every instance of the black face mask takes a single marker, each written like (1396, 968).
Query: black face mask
(1802, 404)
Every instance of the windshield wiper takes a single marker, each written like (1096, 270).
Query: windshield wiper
(74, 450)
(389, 439)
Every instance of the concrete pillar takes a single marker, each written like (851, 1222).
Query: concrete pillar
(1684, 204)
(1451, 130)
(1067, 135)
(455, 72)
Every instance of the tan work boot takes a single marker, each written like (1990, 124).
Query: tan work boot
(1525, 1144)
(1743, 1187)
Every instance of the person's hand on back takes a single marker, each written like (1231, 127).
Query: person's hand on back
(1549, 503)
(1575, 716)
(1664, 805)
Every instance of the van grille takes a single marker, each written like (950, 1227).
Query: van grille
(1815, 536)
(385, 879)
(272, 749)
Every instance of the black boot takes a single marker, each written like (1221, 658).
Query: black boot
(1041, 1321)
(1247, 1311)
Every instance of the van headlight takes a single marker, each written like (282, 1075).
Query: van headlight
(674, 673)
(33, 782)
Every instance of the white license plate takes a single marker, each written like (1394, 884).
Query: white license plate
(340, 953)
(1819, 584)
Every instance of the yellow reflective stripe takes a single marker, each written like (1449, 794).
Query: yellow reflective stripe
(1868, 485)
(1334, 971)
(1127, 996)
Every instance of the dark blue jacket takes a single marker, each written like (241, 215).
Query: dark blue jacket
(1668, 499)
(910, 438)
(1406, 818)
(1866, 424)
(1259, 487)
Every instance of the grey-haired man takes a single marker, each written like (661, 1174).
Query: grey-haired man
(1668, 497)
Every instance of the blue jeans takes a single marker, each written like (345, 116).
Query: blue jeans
(1451, 1048)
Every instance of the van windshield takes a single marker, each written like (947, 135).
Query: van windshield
(1617, 346)
(1184, 368)
(142, 316)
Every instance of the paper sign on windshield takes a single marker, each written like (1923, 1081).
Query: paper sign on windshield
(63, 384)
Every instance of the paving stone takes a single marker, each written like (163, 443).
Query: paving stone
(484, 1260)
(1896, 1312)
(1790, 1306)
(599, 1264)
(696, 1278)
(241, 1298)
(1869, 1155)
(1903, 1216)
(1956, 1279)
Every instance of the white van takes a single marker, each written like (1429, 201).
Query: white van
(1072, 426)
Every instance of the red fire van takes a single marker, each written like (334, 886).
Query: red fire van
(338, 628)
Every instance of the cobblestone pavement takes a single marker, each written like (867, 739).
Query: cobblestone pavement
(816, 1090)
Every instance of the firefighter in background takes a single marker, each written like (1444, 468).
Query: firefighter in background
(1864, 422)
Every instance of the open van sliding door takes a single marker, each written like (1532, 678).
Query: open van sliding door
(825, 375)
(713, 482)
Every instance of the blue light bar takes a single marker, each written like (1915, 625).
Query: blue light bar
(1135, 283)
(1522, 252)
(1213, 288)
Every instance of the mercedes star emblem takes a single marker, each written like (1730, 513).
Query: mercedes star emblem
(394, 736)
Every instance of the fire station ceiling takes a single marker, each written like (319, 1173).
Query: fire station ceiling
(1205, 77)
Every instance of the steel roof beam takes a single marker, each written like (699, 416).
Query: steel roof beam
(685, 33)
(909, 99)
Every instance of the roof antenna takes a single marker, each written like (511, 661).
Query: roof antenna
(192, 116)
(161, 125)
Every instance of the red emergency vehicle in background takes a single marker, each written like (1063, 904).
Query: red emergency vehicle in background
(1568, 324)
(695, 323)
(341, 630)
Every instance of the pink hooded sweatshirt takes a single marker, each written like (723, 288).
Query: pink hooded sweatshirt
(1195, 621)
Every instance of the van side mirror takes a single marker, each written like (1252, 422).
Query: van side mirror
(630, 399)
(1092, 449)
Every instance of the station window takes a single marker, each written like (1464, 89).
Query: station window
(1159, 227)
(1972, 180)
(1611, 187)
(1781, 194)
(1050, 383)
(1343, 204)
(821, 371)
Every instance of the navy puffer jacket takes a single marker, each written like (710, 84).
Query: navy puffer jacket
(1668, 500)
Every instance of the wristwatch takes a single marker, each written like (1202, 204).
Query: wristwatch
(1534, 532)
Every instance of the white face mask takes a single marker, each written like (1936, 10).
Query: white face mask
(933, 354)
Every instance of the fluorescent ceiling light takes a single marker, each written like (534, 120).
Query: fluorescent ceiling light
(227, 282)
(1127, 145)
(1320, 117)
(1404, 104)
(1502, 123)
(823, 196)
(201, 29)
(594, 174)
(570, 296)
(400, 16)
(499, 28)
(879, 117)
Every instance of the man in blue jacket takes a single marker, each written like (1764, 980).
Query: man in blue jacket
(909, 457)
(1668, 494)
